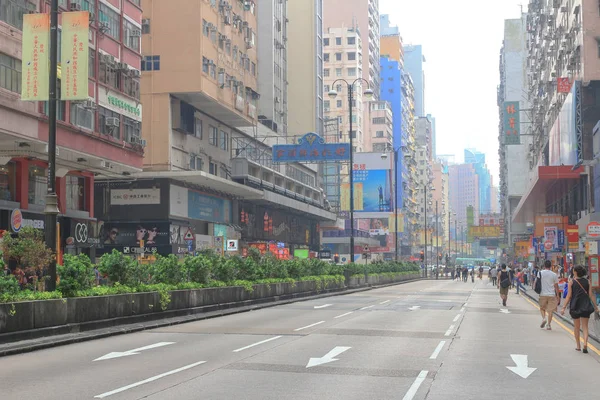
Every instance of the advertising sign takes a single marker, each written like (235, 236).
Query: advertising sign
(550, 238)
(35, 60)
(484, 231)
(74, 51)
(311, 148)
(549, 220)
(563, 85)
(131, 234)
(126, 197)
(232, 245)
(593, 229)
(573, 237)
(511, 122)
(563, 134)
(208, 208)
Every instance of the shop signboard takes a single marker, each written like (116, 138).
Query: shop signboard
(311, 148)
(208, 208)
(148, 235)
(126, 197)
(120, 104)
(325, 254)
(594, 272)
(18, 220)
(593, 229)
(484, 231)
(511, 122)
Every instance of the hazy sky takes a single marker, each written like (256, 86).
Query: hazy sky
(461, 42)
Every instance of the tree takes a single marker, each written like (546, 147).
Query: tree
(28, 250)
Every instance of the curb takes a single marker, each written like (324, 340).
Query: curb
(562, 318)
(47, 342)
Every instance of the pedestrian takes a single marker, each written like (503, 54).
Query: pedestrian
(494, 275)
(549, 296)
(503, 284)
(452, 273)
(582, 304)
(534, 274)
(511, 273)
(465, 274)
(520, 280)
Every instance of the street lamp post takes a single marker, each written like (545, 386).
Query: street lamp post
(333, 95)
(51, 207)
(396, 157)
(425, 250)
(437, 243)
(449, 242)
(455, 240)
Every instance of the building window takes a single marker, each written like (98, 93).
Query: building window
(338, 41)
(378, 120)
(198, 128)
(151, 63)
(338, 72)
(379, 134)
(81, 116)
(351, 40)
(338, 56)
(108, 74)
(351, 71)
(92, 63)
(10, 73)
(223, 140)
(326, 72)
(195, 162)
(131, 129)
(326, 42)
(326, 105)
(8, 182)
(111, 20)
(38, 185)
(338, 103)
(326, 57)
(212, 168)
(75, 195)
(131, 86)
(12, 11)
(106, 123)
(253, 69)
(133, 35)
(145, 26)
(213, 135)
(351, 56)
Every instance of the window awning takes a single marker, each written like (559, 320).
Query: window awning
(533, 201)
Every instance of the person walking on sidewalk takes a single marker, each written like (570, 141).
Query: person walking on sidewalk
(494, 274)
(582, 305)
(549, 295)
(503, 284)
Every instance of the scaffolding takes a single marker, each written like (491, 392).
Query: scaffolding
(333, 173)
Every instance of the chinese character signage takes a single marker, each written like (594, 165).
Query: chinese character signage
(126, 197)
(484, 231)
(35, 69)
(311, 148)
(74, 52)
(563, 85)
(511, 123)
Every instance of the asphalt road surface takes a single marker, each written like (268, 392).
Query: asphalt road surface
(422, 340)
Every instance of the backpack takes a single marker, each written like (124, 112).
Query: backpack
(504, 283)
(538, 283)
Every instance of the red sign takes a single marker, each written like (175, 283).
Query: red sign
(563, 85)
(573, 234)
(593, 229)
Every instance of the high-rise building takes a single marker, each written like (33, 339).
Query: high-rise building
(364, 15)
(342, 59)
(464, 192)
(477, 158)
(272, 65)
(305, 67)
(413, 63)
(441, 196)
(96, 139)
(433, 136)
(386, 29)
(390, 41)
(378, 126)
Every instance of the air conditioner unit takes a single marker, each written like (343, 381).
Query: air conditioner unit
(145, 21)
(143, 142)
(75, 7)
(135, 73)
(112, 122)
(134, 139)
(105, 164)
(122, 66)
(89, 104)
(108, 59)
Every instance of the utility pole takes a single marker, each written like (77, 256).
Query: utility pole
(437, 243)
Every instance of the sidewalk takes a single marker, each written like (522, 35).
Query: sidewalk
(593, 326)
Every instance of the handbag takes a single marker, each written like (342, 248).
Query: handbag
(589, 307)
(538, 283)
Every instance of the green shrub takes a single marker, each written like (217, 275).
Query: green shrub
(9, 285)
(167, 270)
(197, 268)
(76, 273)
(119, 267)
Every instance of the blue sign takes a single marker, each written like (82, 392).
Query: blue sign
(561, 240)
(208, 208)
(311, 148)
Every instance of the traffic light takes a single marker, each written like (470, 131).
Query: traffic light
(439, 256)
(336, 258)
(422, 255)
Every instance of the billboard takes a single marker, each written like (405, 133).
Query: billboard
(563, 134)
(542, 221)
(373, 186)
(511, 122)
(75, 57)
(484, 231)
(311, 148)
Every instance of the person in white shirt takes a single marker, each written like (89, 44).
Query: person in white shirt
(550, 295)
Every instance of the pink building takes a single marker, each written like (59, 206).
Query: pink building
(464, 192)
(378, 126)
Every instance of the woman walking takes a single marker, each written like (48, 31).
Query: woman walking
(582, 305)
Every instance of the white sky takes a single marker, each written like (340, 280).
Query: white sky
(461, 42)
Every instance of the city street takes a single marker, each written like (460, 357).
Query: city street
(422, 340)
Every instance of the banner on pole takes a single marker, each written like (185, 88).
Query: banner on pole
(35, 76)
(75, 55)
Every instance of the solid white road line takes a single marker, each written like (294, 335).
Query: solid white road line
(383, 302)
(343, 315)
(323, 306)
(456, 318)
(437, 350)
(364, 308)
(256, 344)
(124, 388)
(414, 388)
(309, 326)
(449, 331)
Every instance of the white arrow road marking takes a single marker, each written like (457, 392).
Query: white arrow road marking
(309, 326)
(414, 308)
(118, 354)
(522, 369)
(365, 308)
(449, 331)
(323, 306)
(504, 311)
(343, 315)
(327, 358)
(383, 302)
(124, 388)
(437, 350)
(414, 388)
(256, 344)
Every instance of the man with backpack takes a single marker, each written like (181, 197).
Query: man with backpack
(503, 284)
(546, 285)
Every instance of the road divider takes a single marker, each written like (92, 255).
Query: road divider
(152, 379)
(309, 326)
(256, 344)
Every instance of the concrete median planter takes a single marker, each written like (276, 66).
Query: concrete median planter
(32, 319)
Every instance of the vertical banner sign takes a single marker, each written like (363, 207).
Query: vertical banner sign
(74, 50)
(511, 123)
(35, 76)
